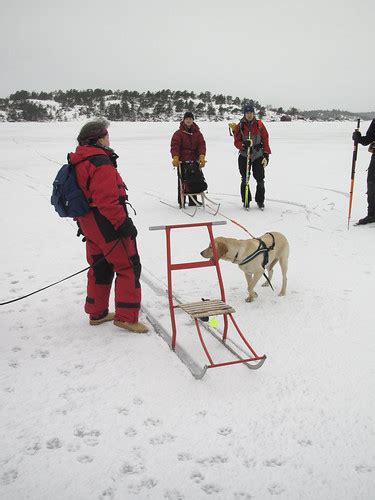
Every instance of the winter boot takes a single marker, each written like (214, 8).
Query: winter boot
(101, 318)
(261, 205)
(366, 220)
(132, 327)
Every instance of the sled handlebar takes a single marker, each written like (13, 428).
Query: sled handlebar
(174, 226)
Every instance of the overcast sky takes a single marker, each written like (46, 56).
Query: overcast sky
(308, 54)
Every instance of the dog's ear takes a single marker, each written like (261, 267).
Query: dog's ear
(222, 248)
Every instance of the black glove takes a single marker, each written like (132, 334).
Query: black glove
(246, 144)
(266, 159)
(128, 229)
(357, 136)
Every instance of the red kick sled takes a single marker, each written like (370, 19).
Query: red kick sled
(205, 309)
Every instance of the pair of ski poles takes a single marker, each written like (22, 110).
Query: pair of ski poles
(248, 161)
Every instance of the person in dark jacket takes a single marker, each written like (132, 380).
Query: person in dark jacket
(187, 145)
(365, 141)
(111, 247)
(250, 132)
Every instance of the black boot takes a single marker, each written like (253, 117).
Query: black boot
(366, 220)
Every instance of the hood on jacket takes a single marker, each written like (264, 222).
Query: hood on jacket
(85, 151)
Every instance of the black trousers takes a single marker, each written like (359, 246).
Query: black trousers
(371, 187)
(257, 169)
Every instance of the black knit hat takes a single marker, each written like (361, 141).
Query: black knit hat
(92, 131)
(188, 114)
(248, 108)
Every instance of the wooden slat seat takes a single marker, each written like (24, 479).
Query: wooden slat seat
(206, 308)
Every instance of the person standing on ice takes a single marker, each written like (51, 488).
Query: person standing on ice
(251, 133)
(106, 223)
(365, 141)
(187, 145)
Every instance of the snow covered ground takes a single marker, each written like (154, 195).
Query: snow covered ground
(95, 412)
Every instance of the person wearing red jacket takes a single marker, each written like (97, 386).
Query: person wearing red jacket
(187, 145)
(250, 132)
(109, 231)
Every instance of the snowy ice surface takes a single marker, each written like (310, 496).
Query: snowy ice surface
(95, 412)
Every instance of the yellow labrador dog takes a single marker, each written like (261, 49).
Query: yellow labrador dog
(253, 257)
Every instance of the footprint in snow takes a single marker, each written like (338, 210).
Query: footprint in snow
(197, 477)
(364, 468)
(84, 459)
(155, 422)
(274, 462)
(162, 439)
(130, 432)
(33, 448)
(90, 440)
(202, 413)
(224, 431)
(8, 477)
(73, 447)
(107, 494)
(241, 495)
(216, 459)
(138, 401)
(128, 468)
(173, 495)
(249, 462)
(184, 457)
(40, 353)
(136, 488)
(305, 442)
(211, 489)
(82, 431)
(13, 364)
(276, 489)
(54, 444)
(123, 411)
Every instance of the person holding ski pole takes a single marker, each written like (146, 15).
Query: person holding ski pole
(369, 138)
(187, 145)
(251, 139)
(110, 234)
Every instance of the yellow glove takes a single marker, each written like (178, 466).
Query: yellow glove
(232, 125)
(202, 161)
(176, 161)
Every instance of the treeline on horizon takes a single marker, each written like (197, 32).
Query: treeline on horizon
(131, 105)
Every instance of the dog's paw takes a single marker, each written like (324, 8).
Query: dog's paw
(265, 284)
(282, 294)
(251, 297)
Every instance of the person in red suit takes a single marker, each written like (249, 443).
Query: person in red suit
(111, 247)
(250, 132)
(187, 145)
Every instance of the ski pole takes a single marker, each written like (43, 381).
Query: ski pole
(248, 172)
(354, 160)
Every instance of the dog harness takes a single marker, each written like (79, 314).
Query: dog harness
(262, 248)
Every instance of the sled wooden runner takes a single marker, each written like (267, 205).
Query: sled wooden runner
(205, 309)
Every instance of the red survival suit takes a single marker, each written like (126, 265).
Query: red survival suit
(188, 144)
(97, 176)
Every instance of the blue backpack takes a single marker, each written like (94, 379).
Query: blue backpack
(67, 197)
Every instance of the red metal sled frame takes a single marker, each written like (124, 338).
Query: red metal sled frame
(200, 264)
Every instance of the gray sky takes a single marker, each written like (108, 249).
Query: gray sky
(308, 54)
